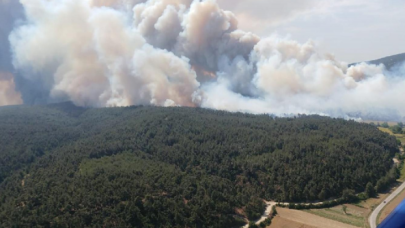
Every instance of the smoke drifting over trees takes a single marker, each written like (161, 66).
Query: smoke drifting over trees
(184, 53)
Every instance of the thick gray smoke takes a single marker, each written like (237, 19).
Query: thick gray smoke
(185, 53)
(10, 11)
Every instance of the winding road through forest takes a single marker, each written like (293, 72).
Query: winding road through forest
(373, 217)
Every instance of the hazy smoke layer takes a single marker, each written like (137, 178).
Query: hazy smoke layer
(9, 12)
(187, 53)
(8, 94)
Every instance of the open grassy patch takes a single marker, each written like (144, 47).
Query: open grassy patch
(386, 130)
(400, 137)
(352, 217)
(357, 214)
(390, 123)
(305, 219)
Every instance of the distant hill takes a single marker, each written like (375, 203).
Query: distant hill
(389, 62)
(64, 166)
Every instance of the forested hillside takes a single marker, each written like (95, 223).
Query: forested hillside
(64, 166)
(390, 61)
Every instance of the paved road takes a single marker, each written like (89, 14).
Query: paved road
(373, 217)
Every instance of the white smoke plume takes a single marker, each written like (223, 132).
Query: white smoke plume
(187, 53)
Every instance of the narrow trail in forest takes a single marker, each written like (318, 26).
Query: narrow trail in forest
(269, 208)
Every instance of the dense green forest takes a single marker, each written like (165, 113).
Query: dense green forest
(65, 166)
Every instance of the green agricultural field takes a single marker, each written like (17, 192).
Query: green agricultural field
(400, 137)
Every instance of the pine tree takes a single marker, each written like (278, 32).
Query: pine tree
(370, 191)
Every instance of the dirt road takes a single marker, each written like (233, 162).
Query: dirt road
(269, 207)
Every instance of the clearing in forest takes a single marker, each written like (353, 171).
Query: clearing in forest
(279, 222)
(357, 214)
(354, 215)
(400, 137)
(308, 219)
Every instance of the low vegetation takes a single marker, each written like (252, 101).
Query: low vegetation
(64, 166)
(396, 130)
(363, 205)
(336, 214)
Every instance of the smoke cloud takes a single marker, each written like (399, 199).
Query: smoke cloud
(8, 94)
(183, 53)
(10, 11)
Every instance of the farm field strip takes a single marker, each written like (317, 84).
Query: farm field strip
(334, 214)
(310, 219)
